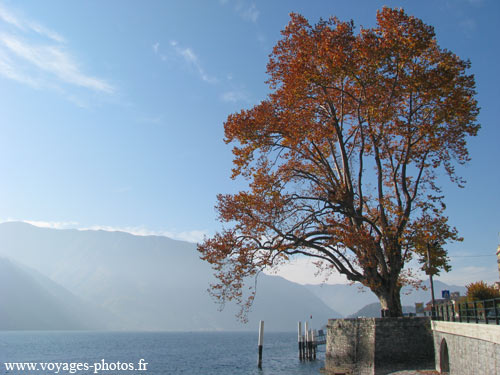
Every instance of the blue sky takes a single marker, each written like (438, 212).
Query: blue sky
(112, 111)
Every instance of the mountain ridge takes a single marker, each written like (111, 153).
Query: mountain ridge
(36, 302)
(150, 282)
(157, 283)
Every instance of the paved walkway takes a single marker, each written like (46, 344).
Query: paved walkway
(415, 372)
(408, 372)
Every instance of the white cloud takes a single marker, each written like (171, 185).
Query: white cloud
(37, 56)
(234, 96)
(53, 60)
(46, 32)
(9, 18)
(51, 224)
(191, 60)
(156, 49)
(194, 236)
(250, 13)
(28, 25)
(247, 11)
(9, 70)
(189, 236)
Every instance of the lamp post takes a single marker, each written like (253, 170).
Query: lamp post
(432, 283)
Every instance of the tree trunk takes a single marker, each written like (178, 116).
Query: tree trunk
(390, 301)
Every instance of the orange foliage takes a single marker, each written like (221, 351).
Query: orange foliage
(341, 157)
(480, 291)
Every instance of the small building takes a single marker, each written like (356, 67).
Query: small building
(454, 297)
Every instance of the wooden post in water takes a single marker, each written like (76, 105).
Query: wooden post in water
(303, 341)
(306, 341)
(261, 342)
(309, 344)
(300, 341)
(314, 344)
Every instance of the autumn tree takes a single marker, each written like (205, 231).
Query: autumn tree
(480, 291)
(343, 156)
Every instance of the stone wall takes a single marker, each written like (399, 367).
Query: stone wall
(466, 348)
(404, 343)
(350, 346)
(377, 346)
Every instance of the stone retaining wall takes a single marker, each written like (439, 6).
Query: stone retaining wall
(378, 346)
(467, 348)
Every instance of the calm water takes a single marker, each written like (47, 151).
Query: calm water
(166, 353)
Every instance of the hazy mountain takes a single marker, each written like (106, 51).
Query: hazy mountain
(347, 299)
(148, 282)
(373, 311)
(155, 283)
(32, 301)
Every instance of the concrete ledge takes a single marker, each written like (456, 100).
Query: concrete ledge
(485, 332)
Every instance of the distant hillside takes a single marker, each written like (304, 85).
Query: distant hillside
(373, 311)
(32, 301)
(147, 282)
(348, 299)
(155, 283)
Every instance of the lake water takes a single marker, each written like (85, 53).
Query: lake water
(197, 353)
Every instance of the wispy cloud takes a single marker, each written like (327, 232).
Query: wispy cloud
(194, 236)
(182, 56)
(53, 60)
(234, 96)
(192, 60)
(37, 56)
(247, 11)
(46, 32)
(28, 25)
(10, 70)
(50, 224)
(186, 56)
(156, 49)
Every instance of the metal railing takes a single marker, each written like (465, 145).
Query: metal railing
(320, 338)
(485, 312)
